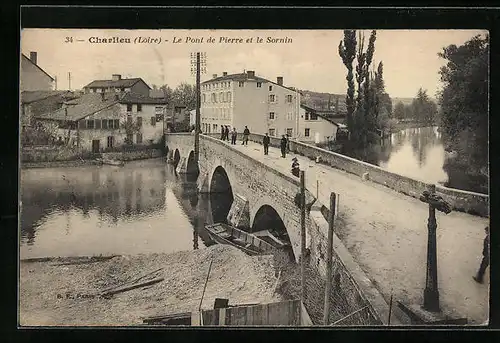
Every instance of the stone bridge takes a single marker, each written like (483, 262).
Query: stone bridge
(381, 235)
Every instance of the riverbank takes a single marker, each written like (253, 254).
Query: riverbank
(59, 164)
(62, 291)
(400, 126)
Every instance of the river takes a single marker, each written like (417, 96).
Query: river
(143, 207)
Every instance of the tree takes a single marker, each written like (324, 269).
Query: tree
(399, 111)
(424, 110)
(185, 95)
(464, 103)
(347, 51)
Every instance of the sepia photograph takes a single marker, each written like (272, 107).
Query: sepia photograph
(253, 178)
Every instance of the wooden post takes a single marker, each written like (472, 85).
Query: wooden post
(303, 234)
(329, 257)
(198, 103)
(431, 291)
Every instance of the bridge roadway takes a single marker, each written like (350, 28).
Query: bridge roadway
(386, 232)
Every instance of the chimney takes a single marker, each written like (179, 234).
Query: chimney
(214, 76)
(224, 73)
(279, 80)
(116, 77)
(33, 57)
(250, 74)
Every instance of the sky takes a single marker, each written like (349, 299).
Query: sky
(309, 60)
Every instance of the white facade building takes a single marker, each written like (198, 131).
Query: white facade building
(239, 100)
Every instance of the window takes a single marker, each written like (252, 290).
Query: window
(272, 132)
(139, 107)
(122, 89)
(270, 88)
(90, 124)
(259, 84)
(110, 123)
(221, 97)
(288, 98)
(153, 121)
(117, 123)
(214, 127)
(289, 132)
(313, 116)
(289, 116)
(213, 97)
(98, 123)
(129, 107)
(129, 119)
(228, 96)
(130, 138)
(139, 138)
(271, 115)
(139, 121)
(307, 115)
(272, 98)
(204, 98)
(241, 84)
(104, 123)
(307, 132)
(111, 141)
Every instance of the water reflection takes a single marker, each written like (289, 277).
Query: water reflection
(417, 153)
(139, 208)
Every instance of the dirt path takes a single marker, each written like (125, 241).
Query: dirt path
(387, 234)
(234, 275)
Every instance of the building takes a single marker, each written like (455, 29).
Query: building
(117, 85)
(244, 99)
(39, 102)
(102, 122)
(33, 77)
(316, 126)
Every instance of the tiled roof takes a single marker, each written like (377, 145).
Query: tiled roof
(135, 98)
(125, 83)
(244, 77)
(36, 65)
(321, 115)
(32, 96)
(89, 104)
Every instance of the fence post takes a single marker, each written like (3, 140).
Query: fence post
(329, 256)
(303, 234)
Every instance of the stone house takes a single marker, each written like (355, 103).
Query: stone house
(32, 76)
(244, 99)
(315, 126)
(118, 85)
(106, 121)
(34, 103)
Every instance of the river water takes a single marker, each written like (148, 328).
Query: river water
(143, 207)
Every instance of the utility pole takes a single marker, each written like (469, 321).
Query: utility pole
(55, 82)
(198, 66)
(329, 258)
(69, 80)
(303, 234)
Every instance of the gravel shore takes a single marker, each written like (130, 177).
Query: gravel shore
(61, 291)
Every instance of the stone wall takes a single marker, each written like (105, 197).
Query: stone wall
(49, 154)
(352, 286)
(133, 155)
(464, 201)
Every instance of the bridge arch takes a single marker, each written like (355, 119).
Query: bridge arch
(267, 218)
(221, 194)
(191, 166)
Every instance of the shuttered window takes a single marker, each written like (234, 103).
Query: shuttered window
(104, 123)
(139, 138)
(98, 123)
(117, 123)
(139, 121)
(153, 121)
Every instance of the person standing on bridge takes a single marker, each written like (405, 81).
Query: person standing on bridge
(265, 142)
(246, 133)
(227, 133)
(234, 134)
(222, 132)
(486, 257)
(283, 146)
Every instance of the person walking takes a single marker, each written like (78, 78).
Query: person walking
(227, 133)
(265, 142)
(486, 257)
(222, 132)
(234, 134)
(246, 133)
(283, 146)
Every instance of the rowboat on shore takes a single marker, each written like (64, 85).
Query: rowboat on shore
(111, 162)
(252, 245)
(267, 236)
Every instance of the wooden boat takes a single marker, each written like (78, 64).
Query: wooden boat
(226, 234)
(111, 162)
(271, 239)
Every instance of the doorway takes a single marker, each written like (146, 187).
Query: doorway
(96, 146)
